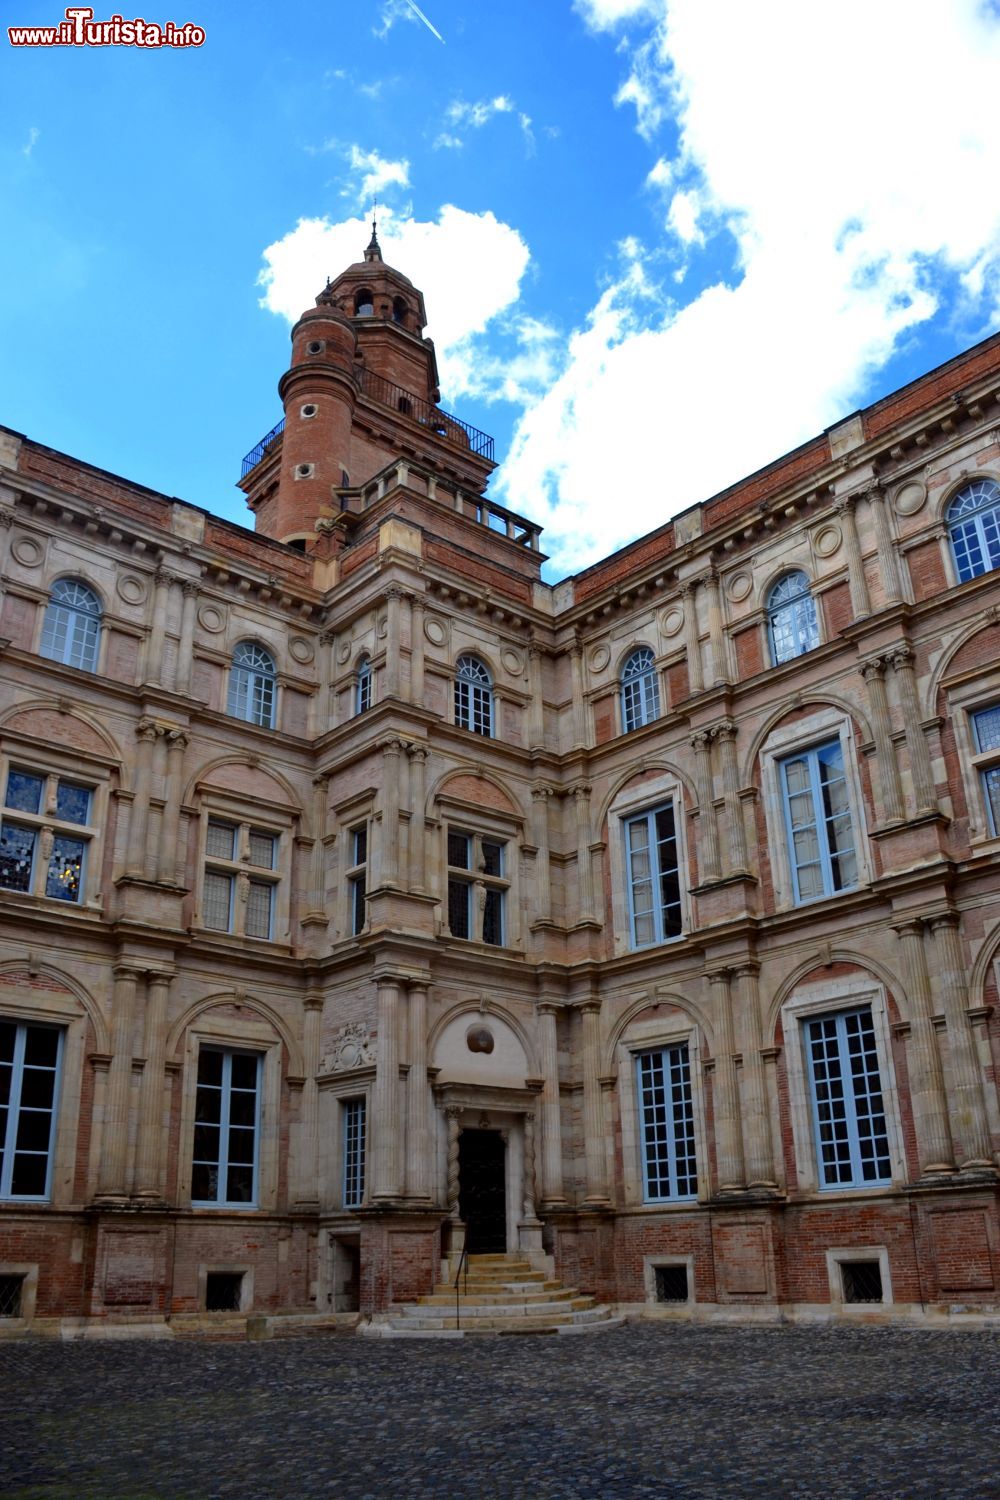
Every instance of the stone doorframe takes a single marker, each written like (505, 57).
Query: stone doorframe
(464, 1105)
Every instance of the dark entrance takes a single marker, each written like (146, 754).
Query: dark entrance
(482, 1193)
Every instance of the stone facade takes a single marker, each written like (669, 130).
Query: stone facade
(314, 906)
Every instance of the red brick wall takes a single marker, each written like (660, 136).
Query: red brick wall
(926, 570)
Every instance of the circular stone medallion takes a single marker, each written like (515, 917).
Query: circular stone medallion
(301, 649)
(671, 621)
(511, 661)
(738, 586)
(212, 617)
(132, 589)
(435, 630)
(909, 498)
(827, 540)
(27, 550)
(599, 658)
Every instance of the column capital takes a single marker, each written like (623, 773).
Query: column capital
(726, 729)
(910, 927)
(312, 1002)
(950, 919)
(548, 1008)
(163, 578)
(452, 1111)
(394, 592)
(542, 790)
(190, 587)
(327, 637)
(845, 504)
(147, 729)
(177, 739)
(322, 779)
(392, 745)
(721, 976)
(900, 657)
(745, 968)
(874, 667)
(581, 791)
(699, 741)
(6, 517)
(128, 969)
(417, 752)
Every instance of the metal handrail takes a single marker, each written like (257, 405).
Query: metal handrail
(386, 393)
(463, 1261)
(255, 455)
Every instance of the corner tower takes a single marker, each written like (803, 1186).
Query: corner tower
(361, 391)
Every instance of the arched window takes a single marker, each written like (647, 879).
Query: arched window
(363, 686)
(252, 685)
(72, 630)
(974, 523)
(791, 618)
(364, 305)
(473, 696)
(640, 690)
(399, 311)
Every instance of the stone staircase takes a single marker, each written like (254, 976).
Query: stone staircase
(501, 1296)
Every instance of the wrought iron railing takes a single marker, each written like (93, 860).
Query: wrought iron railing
(266, 443)
(442, 422)
(464, 1261)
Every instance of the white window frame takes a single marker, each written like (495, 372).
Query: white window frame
(785, 742)
(793, 604)
(974, 518)
(665, 1054)
(234, 1034)
(810, 1002)
(649, 815)
(647, 797)
(351, 1199)
(655, 1036)
(74, 615)
(252, 675)
(473, 698)
(811, 757)
(14, 1107)
(227, 1054)
(235, 814)
(639, 691)
(364, 686)
(52, 769)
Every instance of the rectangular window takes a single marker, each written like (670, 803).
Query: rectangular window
(42, 852)
(357, 880)
(852, 1143)
(666, 1124)
(29, 1086)
(654, 887)
(235, 896)
(260, 897)
(354, 1152)
(477, 888)
(818, 821)
(227, 1124)
(986, 727)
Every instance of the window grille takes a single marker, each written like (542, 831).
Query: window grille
(11, 1291)
(671, 1283)
(862, 1280)
(473, 696)
(217, 901)
(262, 849)
(852, 1143)
(819, 825)
(29, 1085)
(355, 1111)
(223, 1291)
(666, 1120)
(640, 690)
(792, 622)
(227, 1120)
(654, 888)
(71, 630)
(974, 525)
(252, 685)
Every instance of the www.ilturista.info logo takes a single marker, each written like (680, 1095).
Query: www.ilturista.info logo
(81, 30)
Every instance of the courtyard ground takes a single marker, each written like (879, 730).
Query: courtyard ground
(649, 1409)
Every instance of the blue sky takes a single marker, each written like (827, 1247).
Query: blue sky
(661, 241)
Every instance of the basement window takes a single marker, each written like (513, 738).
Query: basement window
(862, 1280)
(11, 1288)
(223, 1291)
(671, 1283)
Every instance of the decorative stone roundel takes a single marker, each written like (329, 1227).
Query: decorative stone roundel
(671, 621)
(738, 586)
(344, 652)
(132, 589)
(511, 661)
(909, 498)
(599, 658)
(827, 540)
(479, 1039)
(27, 550)
(301, 649)
(435, 630)
(212, 617)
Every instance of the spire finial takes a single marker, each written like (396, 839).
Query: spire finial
(373, 251)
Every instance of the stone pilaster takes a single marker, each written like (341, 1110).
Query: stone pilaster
(921, 770)
(757, 1145)
(156, 640)
(385, 1097)
(717, 640)
(536, 711)
(317, 873)
(185, 649)
(148, 1153)
(528, 1201)
(138, 831)
(593, 1107)
(111, 1180)
(927, 1095)
(861, 603)
(391, 772)
(418, 833)
(551, 1122)
(579, 711)
(692, 645)
(418, 1099)
(708, 829)
(541, 797)
(394, 605)
(167, 872)
(584, 863)
(873, 671)
(307, 1196)
(327, 716)
(453, 1116)
(725, 734)
(726, 1098)
(969, 1124)
(417, 650)
(887, 559)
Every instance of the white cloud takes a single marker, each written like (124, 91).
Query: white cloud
(850, 154)
(476, 115)
(448, 141)
(372, 175)
(31, 142)
(469, 267)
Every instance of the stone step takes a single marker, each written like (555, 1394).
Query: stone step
(562, 1330)
(427, 1308)
(551, 1322)
(502, 1278)
(445, 1296)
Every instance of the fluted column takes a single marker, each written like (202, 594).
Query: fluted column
(394, 602)
(584, 863)
(155, 653)
(138, 831)
(536, 710)
(921, 769)
(452, 1116)
(708, 831)
(327, 714)
(528, 1200)
(887, 559)
(757, 1145)
(927, 1096)
(317, 874)
(692, 645)
(6, 523)
(307, 1193)
(148, 1157)
(579, 717)
(417, 650)
(176, 741)
(391, 772)
(418, 830)
(551, 1122)
(969, 1125)
(873, 671)
(725, 733)
(418, 1099)
(717, 642)
(861, 603)
(185, 649)
(111, 1180)
(726, 1096)
(540, 798)
(385, 1100)
(593, 1106)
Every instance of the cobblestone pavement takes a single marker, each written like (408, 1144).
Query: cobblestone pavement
(645, 1410)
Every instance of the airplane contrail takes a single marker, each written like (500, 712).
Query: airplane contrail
(421, 17)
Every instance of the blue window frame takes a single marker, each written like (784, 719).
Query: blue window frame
(652, 863)
(71, 631)
(253, 685)
(791, 618)
(29, 822)
(355, 1113)
(30, 1061)
(363, 687)
(358, 878)
(974, 524)
(852, 1143)
(666, 1124)
(986, 728)
(227, 1126)
(818, 822)
(640, 690)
